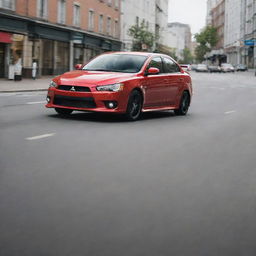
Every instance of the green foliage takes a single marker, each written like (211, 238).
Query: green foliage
(187, 56)
(143, 40)
(166, 50)
(207, 39)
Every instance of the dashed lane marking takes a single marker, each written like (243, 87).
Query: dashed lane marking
(36, 102)
(229, 112)
(43, 136)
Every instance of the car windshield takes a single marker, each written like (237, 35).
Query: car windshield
(125, 63)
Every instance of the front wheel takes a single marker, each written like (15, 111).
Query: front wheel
(64, 111)
(134, 106)
(184, 105)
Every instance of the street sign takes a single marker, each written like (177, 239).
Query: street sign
(251, 42)
(77, 38)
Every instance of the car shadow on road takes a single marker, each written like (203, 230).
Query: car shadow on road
(113, 118)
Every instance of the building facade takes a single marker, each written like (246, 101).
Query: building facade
(211, 4)
(133, 13)
(161, 23)
(179, 38)
(233, 35)
(217, 55)
(57, 34)
(248, 32)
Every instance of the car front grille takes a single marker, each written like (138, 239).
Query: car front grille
(75, 88)
(76, 102)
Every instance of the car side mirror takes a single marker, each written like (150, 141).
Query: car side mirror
(78, 66)
(153, 71)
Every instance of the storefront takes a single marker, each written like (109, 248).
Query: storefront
(54, 48)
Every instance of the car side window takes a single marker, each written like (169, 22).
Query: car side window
(170, 66)
(156, 63)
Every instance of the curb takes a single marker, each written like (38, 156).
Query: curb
(25, 90)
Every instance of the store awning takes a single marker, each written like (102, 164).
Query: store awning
(5, 37)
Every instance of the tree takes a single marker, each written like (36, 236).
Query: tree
(187, 56)
(207, 40)
(143, 40)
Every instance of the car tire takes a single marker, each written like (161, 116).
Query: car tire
(184, 104)
(134, 106)
(64, 111)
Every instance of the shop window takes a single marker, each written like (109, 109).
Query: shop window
(7, 4)
(62, 57)
(62, 11)
(76, 15)
(78, 55)
(42, 8)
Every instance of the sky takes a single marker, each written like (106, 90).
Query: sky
(192, 12)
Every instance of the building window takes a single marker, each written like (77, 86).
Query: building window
(91, 20)
(62, 11)
(101, 23)
(7, 4)
(116, 4)
(42, 9)
(116, 29)
(76, 15)
(109, 26)
(137, 21)
(109, 2)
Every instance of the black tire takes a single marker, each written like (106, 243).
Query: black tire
(184, 104)
(134, 106)
(63, 111)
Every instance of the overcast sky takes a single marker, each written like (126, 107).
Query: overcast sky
(192, 12)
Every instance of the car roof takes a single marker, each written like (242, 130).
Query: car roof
(147, 54)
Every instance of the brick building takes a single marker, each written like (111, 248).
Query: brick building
(217, 55)
(56, 33)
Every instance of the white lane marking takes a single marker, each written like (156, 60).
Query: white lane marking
(41, 136)
(229, 112)
(36, 102)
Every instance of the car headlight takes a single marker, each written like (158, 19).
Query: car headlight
(111, 87)
(52, 84)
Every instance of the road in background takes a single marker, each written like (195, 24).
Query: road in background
(95, 184)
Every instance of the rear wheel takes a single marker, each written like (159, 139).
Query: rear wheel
(184, 104)
(134, 106)
(64, 111)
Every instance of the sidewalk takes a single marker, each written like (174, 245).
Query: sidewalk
(40, 84)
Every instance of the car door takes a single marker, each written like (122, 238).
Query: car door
(174, 79)
(155, 85)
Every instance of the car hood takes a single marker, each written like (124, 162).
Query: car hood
(82, 77)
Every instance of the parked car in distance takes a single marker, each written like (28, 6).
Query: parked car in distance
(201, 68)
(214, 69)
(186, 67)
(226, 67)
(241, 67)
(193, 67)
(125, 83)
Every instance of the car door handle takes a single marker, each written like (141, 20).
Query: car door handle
(181, 79)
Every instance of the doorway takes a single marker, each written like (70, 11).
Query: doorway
(2, 60)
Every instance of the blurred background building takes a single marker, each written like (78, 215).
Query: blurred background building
(153, 12)
(235, 21)
(179, 38)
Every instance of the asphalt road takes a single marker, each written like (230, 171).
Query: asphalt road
(97, 185)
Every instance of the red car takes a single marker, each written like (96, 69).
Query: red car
(123, 82)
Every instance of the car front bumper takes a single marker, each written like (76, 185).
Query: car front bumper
(96, 101)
